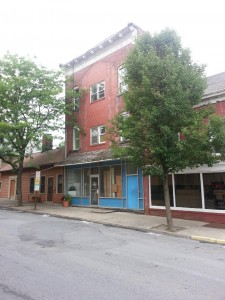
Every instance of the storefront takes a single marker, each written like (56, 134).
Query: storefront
(111, 184)
(199, 190)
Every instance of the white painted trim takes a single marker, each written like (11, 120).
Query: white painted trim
(89, 61)
(192, 209)
(202, 191)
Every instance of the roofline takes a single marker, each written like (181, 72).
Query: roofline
(96, 49)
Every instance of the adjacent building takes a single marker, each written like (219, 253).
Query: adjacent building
(51, 177)
(197, 194)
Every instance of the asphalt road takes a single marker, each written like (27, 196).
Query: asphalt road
(49, 258)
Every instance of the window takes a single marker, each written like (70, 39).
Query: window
(124, 115)
(32, 185)
(122, 87)
(76, 98)
(111, 182)
(157, 192)
(0, 185)
(188, 190)
(42, 187)
(97, 91)
(98, 135)
(76, 138)
(59, 183)
(74, 182)
(86, 185)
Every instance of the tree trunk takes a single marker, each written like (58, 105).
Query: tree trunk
(167, 202)
(19, 183)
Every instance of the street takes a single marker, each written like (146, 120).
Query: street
(48, 258)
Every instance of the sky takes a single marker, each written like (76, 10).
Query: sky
(57, 31)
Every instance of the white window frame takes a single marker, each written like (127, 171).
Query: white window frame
(76, 99)
(124, 115)
(76, 138)
(98, 132)
(122, 87)
(97, 91)
(58, 183)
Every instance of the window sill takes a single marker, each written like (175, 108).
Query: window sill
(98, 100)
(92, 145)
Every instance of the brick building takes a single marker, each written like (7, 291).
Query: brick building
(93, 176)
(197, 194)
(51, 179)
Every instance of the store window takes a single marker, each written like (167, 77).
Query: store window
(157, 192)
(86, 184)
(188, 190)
(111, 182)
(74, 182)
(214, 190)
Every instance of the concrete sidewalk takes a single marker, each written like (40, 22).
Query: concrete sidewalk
(205, 232)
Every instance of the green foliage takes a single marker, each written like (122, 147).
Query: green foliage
(30, 103)
(165, 133)
(68, 198)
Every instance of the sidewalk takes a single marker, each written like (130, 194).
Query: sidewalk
(204, 232)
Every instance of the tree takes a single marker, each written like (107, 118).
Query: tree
(31, 105)
(164, 133)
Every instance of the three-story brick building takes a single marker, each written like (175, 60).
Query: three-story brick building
(92, 175)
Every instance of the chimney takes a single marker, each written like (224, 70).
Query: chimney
(47, 141)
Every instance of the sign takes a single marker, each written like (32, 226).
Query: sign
(218, 185)
(37, 181)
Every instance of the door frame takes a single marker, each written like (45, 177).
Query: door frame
(94, 176)
(12, 178)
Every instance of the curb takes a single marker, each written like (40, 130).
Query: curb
(158, 232)
(208, 240)
(167, 233)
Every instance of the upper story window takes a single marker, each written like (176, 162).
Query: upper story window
(98, 135)
(124, 115)
(122, 87)
(97, 91)
(76, 98)
(76, 138)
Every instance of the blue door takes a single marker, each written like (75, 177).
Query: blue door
(132, 192)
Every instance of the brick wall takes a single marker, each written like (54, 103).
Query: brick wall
(27, 174)
(101, 111)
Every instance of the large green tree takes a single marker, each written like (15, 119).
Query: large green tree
(164, 133)
(31, 104)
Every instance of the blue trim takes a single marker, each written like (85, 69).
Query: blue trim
(124, 181)
(111, 202)
(141, 204)
(80, 201)
(140, 182)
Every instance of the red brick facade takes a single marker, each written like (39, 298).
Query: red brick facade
(103, 110)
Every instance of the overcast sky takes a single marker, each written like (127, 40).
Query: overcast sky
(56, 31)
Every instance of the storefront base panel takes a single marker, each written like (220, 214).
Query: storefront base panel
(115, 203)
(207, 217)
